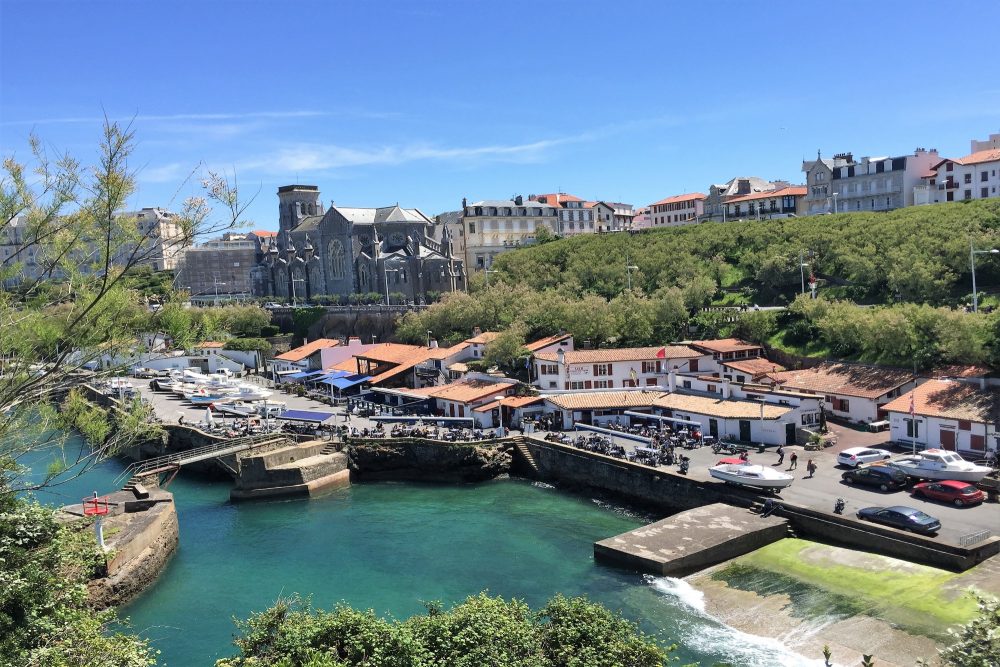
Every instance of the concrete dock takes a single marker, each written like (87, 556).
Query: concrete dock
(692, 540)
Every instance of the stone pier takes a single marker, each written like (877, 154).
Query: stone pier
(692, 540)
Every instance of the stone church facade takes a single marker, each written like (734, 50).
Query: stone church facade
(341, 251)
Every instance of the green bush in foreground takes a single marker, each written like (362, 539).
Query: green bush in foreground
(482, 630)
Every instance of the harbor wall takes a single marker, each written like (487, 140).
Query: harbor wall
(418, 459)
(305, 469)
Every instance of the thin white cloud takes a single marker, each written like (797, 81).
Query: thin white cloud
(167, 173)
(180, 116)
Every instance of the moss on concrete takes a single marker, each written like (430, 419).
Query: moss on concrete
(917, 597)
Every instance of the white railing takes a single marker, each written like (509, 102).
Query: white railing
(974, 538)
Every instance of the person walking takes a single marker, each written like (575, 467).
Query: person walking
(793, 461)
(781, 454)
(811, 467)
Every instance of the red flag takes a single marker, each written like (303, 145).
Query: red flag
(661, 353)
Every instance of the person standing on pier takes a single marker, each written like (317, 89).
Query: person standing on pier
(811, 467)
(793, 461)
(781, 454)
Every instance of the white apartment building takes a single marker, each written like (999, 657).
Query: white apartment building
(946, 414)
(493, 226)
(739, 186)
(163, 239)
(777, 203)
(613, 368)
(843, 185)
(975, 176)
(677, 210)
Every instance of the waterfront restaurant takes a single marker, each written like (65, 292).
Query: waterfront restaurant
(743, 420)
(455, 399)
(946, 414)
(597, 408)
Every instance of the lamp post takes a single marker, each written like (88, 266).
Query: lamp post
(429, 332)
(295, 303)
(972, 260)
(629, 268)
(217, 283)
(387, 272)
(835, 201)
(499, 399)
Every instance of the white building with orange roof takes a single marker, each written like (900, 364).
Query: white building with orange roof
(678, 210)
(782, 202)
(947, 414)
(474, 398)
(854, 392)
(975, 176)
(612, 368)
(305, 357)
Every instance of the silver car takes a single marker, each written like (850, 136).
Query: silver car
(855, 456)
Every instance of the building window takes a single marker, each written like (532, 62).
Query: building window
(338, 262)
(912, 428)
(650, 367)
(604, 384)
(984, 177)
(984, 193)
(472, 228)
(549, 369)
(968, 194)
(977, 442)
(602, 369)
(964, 425)
(575, 385)
(968, 178)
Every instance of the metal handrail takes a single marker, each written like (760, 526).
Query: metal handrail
(138, 467)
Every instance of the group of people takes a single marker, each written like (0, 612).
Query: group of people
(793, 461)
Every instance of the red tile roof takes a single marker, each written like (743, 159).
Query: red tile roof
(622, 354)
(464, 391)
(949, 399)
(791, 191)
(545, 342)
(557, 198)
(208, 345)
(300, 353)
(263, 233)
(869, 382)
(679, 198)
(990, 155)
(483, 338)
(724, 345)
(754, 367)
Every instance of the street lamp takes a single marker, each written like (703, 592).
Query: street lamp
(387, 272)
(835, 201)
(629, 268)
(972, 260)
(217, 283)
(499, 399)
(294, 297)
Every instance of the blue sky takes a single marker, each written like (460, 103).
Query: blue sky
(423, 103)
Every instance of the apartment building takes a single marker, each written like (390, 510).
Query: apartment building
(162, 239)
(613, 368)
(677, 210)
(845, 185)
(975, 176)
(493, 226)
(220, 269)
(779, 203)
(739, 186)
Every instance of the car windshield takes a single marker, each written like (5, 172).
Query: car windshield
(920, 517)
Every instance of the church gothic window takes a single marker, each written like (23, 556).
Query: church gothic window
(338, 262)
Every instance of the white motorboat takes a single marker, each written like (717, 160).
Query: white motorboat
(251, 394)
(752, 475)
(941, 464)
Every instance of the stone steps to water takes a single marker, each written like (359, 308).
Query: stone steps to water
(331, 448)
(527, 456)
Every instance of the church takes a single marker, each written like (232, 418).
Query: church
(344, 250)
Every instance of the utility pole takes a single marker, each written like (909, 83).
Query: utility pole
(294, 296)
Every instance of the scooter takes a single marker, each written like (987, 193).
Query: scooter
(683, 467)
(838, 507)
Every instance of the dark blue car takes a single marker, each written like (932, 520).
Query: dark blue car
(904, 518)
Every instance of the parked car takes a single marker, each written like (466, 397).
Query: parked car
(952, 491)
(855, 456)
(884, 477)
(904, 518)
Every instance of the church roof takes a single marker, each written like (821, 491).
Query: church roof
(368, 216)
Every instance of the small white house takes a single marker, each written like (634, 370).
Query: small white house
(946, 414)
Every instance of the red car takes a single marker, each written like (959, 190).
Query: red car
(950, 491)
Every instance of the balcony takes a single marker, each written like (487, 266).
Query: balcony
(948, 185)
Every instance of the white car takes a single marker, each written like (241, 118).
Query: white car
(855, 456)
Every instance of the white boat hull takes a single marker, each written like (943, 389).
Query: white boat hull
(753, 476)
(973, 475)
(941, 464)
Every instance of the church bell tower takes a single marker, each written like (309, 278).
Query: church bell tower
(295, 202)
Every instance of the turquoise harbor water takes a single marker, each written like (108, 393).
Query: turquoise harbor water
(389, 546)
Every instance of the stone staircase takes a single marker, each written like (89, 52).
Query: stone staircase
(527, 457)
(757, 507)
(330, 448)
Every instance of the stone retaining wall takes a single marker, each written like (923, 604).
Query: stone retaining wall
(289, 471)
(418, 459)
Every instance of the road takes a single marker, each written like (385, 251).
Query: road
(822, 491)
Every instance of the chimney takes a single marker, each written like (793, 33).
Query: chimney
(672, 381)
(561, 356)
(434, 344)
(726, 390)
(476, 331)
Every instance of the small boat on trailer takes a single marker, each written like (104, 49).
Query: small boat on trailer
(751, 475)
(941, 464)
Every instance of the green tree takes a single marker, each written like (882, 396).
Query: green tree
(756, 326)
(507, 349)
(482, 630)
(977, 643)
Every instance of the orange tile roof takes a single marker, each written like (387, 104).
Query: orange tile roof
(557, 199)
(350, 364)
(464, 391)
(844, 379)
(263, 233)
(303, 351)
(545, 342)
(959, 371)
(791, 191)
(753, 367)
(949, 399)
(208, 345)
(724, 345)
(603, 400)
(720, 407)
(445, 352)
(521, 401)
(989, 155)
(393, 353)
(483, 338)
(621, 354)
(679, 198)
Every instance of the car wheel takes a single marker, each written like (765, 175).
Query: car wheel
(959, 502)
(883, 487)
(848, 480)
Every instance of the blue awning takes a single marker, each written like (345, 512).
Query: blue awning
(295, 376)
(306, 416)
(347, 382)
